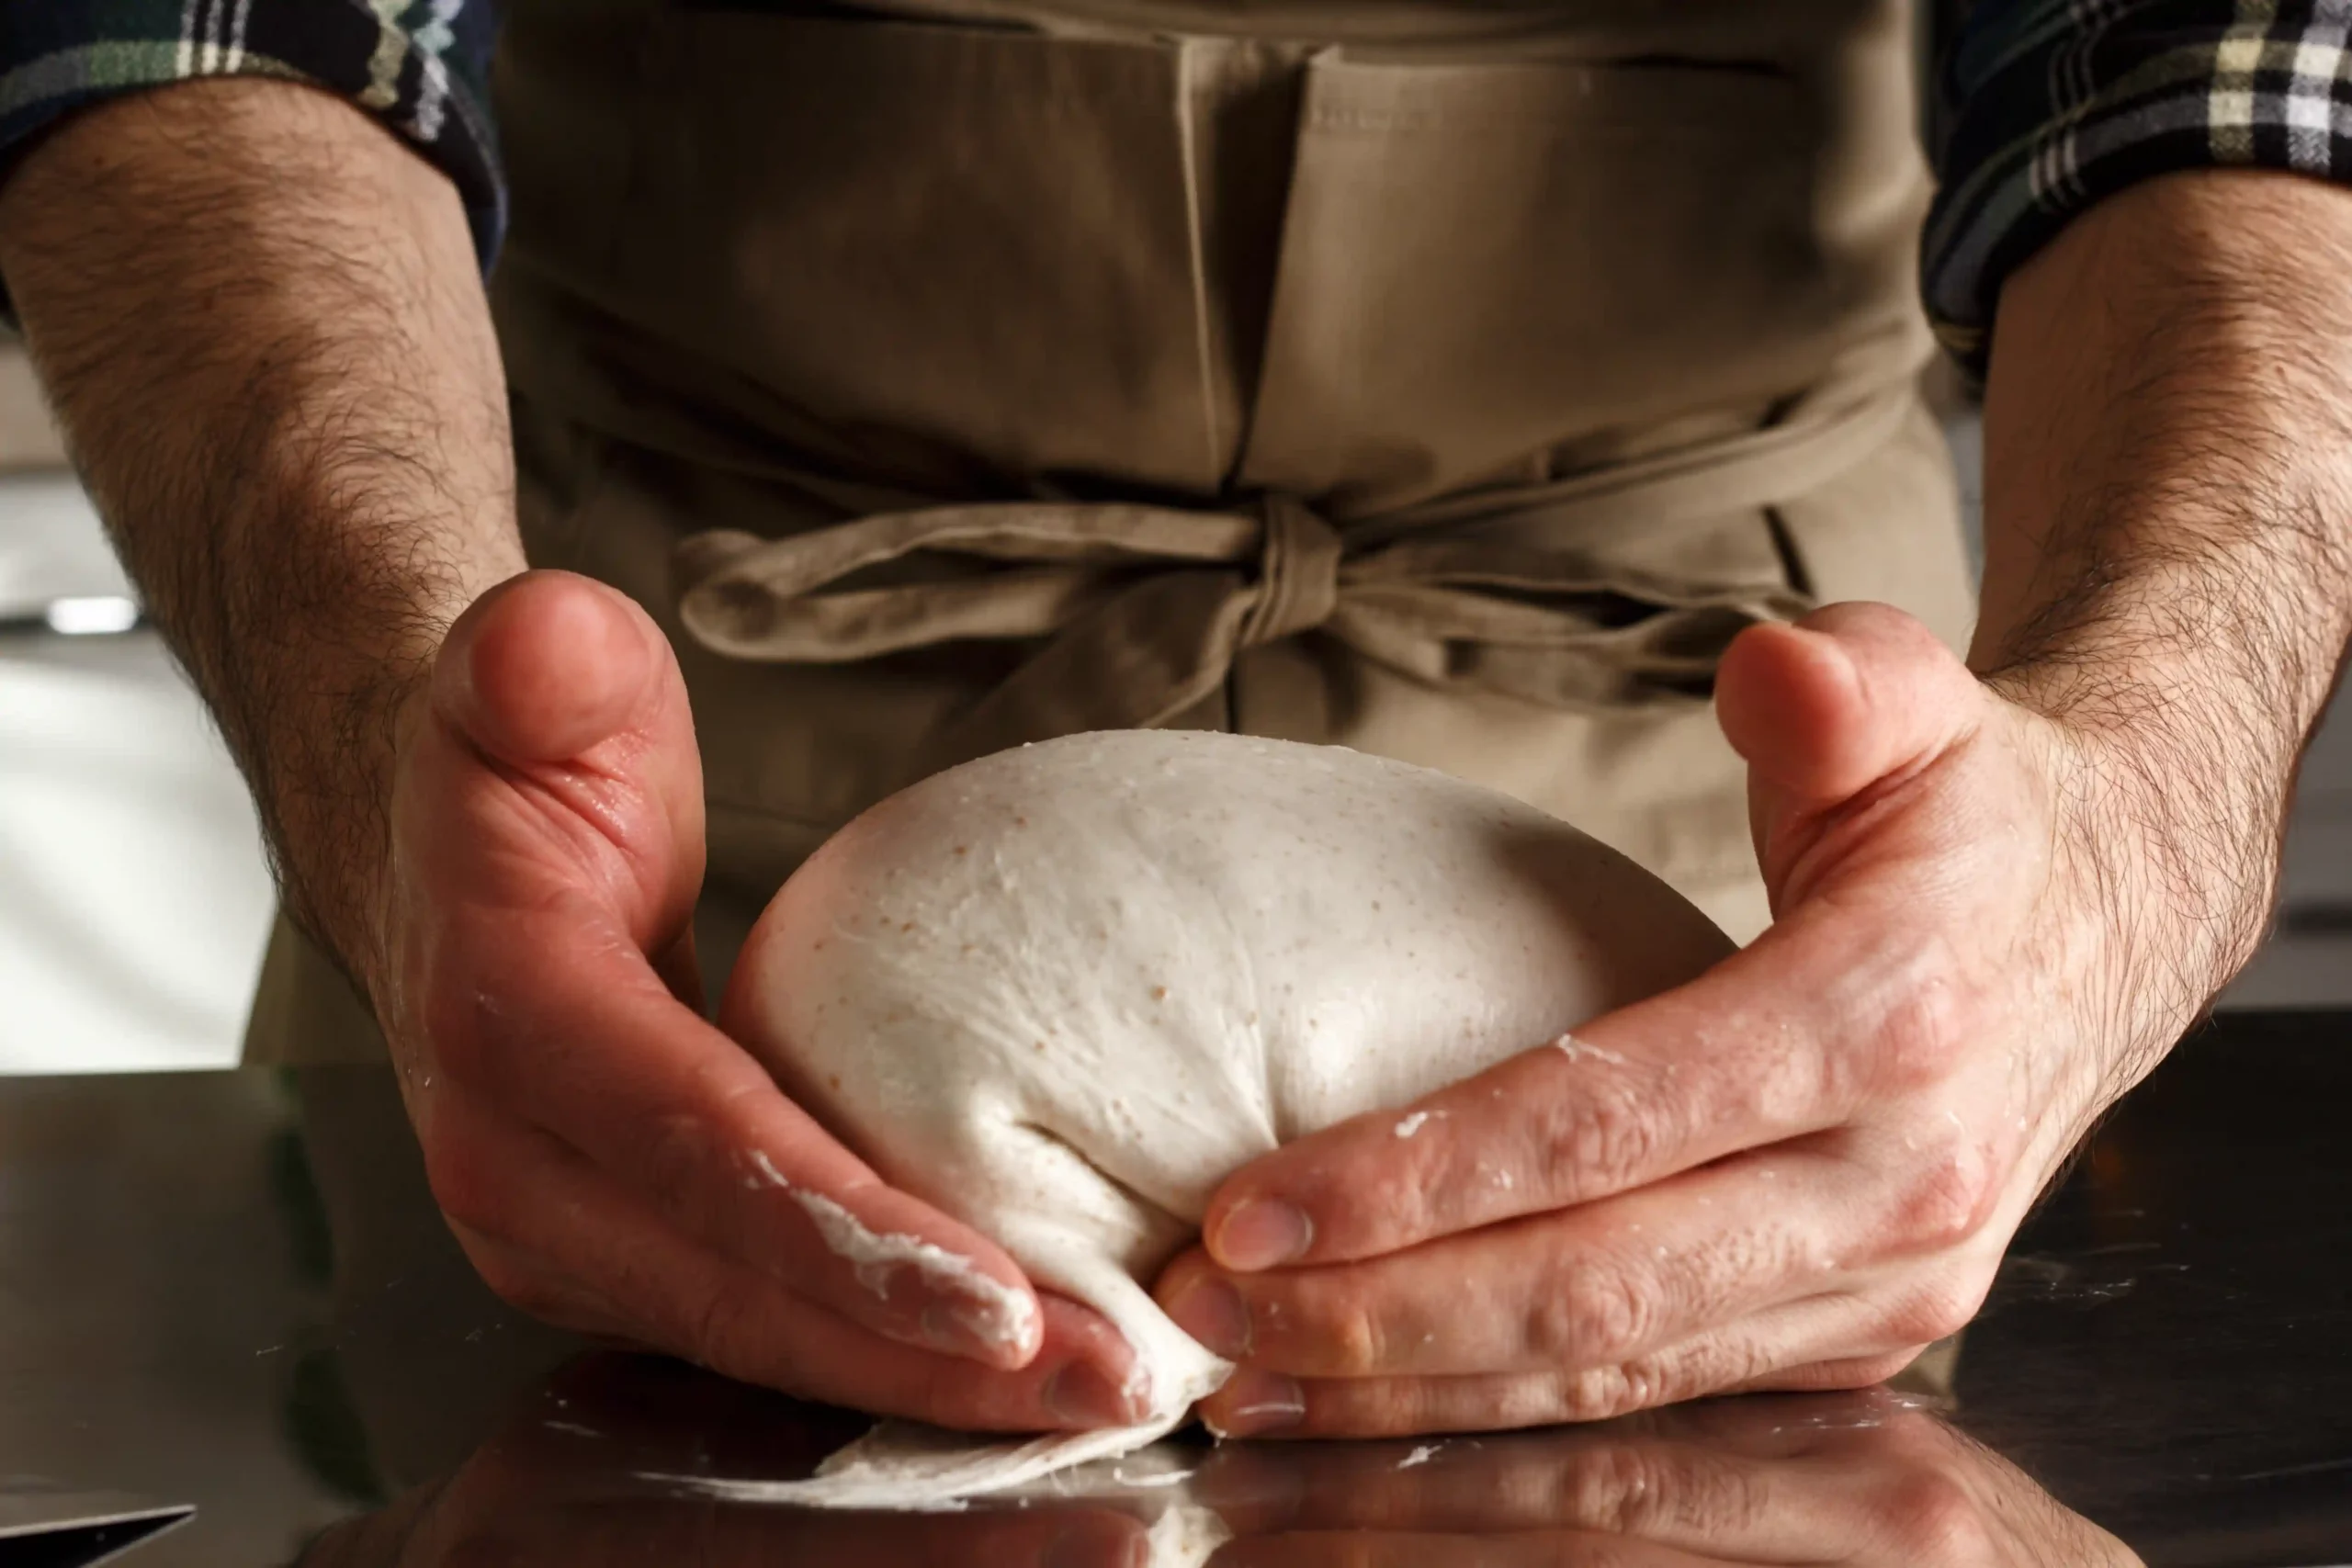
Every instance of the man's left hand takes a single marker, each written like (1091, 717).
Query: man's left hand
(1794, 1172)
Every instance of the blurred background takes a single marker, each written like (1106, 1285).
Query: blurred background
(134, 895)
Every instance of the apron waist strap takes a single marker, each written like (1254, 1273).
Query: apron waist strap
(1141, 610)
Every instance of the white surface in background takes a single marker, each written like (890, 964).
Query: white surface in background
(133, 897)
(2313, 967)
(51, 544)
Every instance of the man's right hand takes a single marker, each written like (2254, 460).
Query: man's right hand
(608, 1160)
(260, 320)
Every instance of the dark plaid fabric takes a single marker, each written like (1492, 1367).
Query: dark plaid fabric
(2047, 106)
(2052, 105)
(422, 66)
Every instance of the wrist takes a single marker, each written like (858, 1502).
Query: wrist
(2166, 826)
(323, 775)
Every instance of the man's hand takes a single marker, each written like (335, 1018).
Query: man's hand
(262, 322)
(609, 1160)
(1793, 1173)
(2000, 898)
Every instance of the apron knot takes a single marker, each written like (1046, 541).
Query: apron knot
(1298, 572)
(1550, 594)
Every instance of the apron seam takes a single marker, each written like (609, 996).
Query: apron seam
(1188, 132)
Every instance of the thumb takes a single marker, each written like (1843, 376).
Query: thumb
(547, 665)
(568, 680)
(1851, 694)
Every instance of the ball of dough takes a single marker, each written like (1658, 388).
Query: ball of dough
(1061, 992)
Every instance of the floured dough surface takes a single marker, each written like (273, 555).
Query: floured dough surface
(1061, 992)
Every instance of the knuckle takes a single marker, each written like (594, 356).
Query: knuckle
(1348, 1329)
(1604, 1393)
(1601, 1393)
(1598, 1315)
(1599, 1143)
(1921, 1036)
(1946, 1203)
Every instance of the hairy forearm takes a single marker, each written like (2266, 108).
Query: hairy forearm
(260, 320)
(2168, 514)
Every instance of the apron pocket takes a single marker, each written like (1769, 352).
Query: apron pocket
(953, 252)
(1483, 262)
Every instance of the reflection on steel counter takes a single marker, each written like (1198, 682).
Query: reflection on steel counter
(75, 1529)
(192, 1311)
(1871, 1480)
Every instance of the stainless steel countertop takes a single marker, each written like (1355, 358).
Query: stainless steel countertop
(2166, 1355)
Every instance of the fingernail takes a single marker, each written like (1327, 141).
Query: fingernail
(1097, 1541)
(1254, 1403)
(1083, 1394)
(1213, 1312)
(1262, 1234)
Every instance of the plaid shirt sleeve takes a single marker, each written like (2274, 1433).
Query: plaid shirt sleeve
(2048, 105)
(421, 66)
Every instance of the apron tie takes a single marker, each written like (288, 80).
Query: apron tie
(1140, 610)
(1298, 572)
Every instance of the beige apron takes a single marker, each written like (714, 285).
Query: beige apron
(1451, 381)
(1447, 381)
